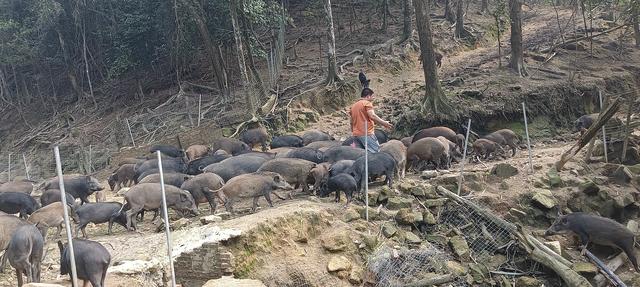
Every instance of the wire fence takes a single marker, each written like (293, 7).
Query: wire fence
(484, 238)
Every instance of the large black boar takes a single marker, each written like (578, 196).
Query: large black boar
(79, 186)
(92, 261)
(235, 166)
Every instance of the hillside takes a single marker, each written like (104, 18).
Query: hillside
(291, 243)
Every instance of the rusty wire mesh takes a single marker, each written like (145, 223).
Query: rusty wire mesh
(301, 276)
(485, 239)
(393, 268)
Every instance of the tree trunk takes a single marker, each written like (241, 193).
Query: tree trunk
(636, 25)
(331, 53)
(434, 94)
(214, 58)
(484, 6)
(385, 20)
(86, 64)
(69, 69)
(517, 57)
(406, 28)
(259, 86)
(497, 17)
(448, 14)
(459, 32)
(233, 7)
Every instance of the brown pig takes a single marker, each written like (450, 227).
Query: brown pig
(52, 215)
(485, 148)
(399, 152)
(427, 150)
(252, 185)
(294, 170)
(23, 186)
(446, 132)
(197, 151)
(202, 186)
(123, 176)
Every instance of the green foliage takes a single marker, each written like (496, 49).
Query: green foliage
(122, 37)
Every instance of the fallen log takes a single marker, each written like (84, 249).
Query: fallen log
(591, 132)
(436, 280)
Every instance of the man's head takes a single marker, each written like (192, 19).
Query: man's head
(366, 93)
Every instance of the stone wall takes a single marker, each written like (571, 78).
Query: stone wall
(210, 261)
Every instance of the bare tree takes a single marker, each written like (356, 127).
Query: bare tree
(434, 96)
(233, 8)
(484, 6)
(448, 14)
(333, 75)
(460, 32)
(517, 54)
(635, 16)
(406, 27)
(259, 87)
(214, 56)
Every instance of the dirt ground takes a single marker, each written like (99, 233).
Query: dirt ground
(477, 67)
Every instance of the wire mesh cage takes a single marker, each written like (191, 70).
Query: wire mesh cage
(483, 236)
(392, 267)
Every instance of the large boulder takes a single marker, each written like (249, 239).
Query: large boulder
(395, 203)
(554, 178)
(408, 217)
(389, 230)
(544, 199)
(335, 241)
(504, 170)
(412, 238)
(338, 263)
(351, 215)
(526, 281)
(589, 187)
(460, 247)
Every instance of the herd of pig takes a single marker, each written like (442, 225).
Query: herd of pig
(225, 171)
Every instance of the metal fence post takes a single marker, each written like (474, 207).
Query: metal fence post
(26, 168)
(130, 134)
(67, 224)
(526, 130)
(366, 171)
(464, 157)
(167, 228)
(604, 135)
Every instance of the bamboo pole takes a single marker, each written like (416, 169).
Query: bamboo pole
(133, 142)
(26, 167)
(604, 135)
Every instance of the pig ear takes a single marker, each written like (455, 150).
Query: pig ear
(88, 178)
(183, 197)
(276, 178)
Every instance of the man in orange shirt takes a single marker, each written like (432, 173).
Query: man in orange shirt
(361, 112)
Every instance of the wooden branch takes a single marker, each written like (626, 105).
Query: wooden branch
(603, 268)
(584, 38)
(591, 132)
(436, 280)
